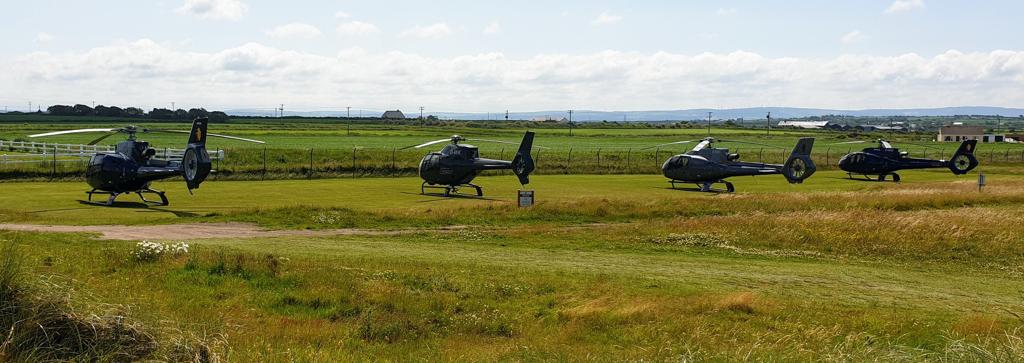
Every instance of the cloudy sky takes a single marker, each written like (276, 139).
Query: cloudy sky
(466, 55)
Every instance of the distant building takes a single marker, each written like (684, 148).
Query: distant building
(804, 124)
(393, 115)
(958, 133)
(869, 128)
(548, 119)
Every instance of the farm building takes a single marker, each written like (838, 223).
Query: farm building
(804, 124)
(957, 133)
(393, 115)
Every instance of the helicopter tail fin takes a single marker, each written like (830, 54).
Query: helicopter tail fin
(799, 166)
(522, 164)
(963, 159)
(196, 163)
(198, 134)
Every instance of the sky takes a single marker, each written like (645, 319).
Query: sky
(490, 56)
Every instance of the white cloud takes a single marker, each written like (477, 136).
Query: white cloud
(355, 28)
(295, 30)
(146, 73)
(726, 11)
(214, 9)
(433, 31)
(852, 37)
(900, 6)
(606, 19)
(43, 37)
(493, 28)
(342, 15)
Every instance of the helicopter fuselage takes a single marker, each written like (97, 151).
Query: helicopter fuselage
(457, 165)
(712, 165)
(129, 169)
(881, 161)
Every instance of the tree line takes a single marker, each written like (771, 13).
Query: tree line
(135, 112)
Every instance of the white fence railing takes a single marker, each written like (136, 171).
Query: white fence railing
(62, 153)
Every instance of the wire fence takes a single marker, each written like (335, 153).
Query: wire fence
(313, 163)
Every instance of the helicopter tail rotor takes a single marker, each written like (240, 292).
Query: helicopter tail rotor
(196, 163)
(799, 166)
(963, 160)
(522, 164)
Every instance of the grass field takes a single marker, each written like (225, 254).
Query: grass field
(604, 267)
(302, 149)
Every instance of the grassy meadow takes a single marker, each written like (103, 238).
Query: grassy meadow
(303, 149)
(604, 267)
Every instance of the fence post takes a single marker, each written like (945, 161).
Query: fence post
(394, 168)
(657, 153)
(599, 158)
(216, 176)
(826, 156)
(568, 162)
(309, 175)
(264, 175)
(629, 153)
(353, 163)
(760, 155)
(501, 156)
(538, 156)
(53, 170)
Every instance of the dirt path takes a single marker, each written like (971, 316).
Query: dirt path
(194, 231)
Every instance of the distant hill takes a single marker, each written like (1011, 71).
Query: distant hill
(689, 114)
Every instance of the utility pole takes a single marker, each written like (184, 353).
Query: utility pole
(172, 106)
(709, 124)
(282, 110)
(348, 112)
(421, 112)
(506, 115)
(769, 125)
(570, 122)
(93, 104)
(29, 106)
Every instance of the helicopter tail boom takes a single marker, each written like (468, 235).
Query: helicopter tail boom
(799, 166)
(963, 159)
(522, 164)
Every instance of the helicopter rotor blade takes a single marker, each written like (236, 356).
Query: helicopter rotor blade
(101, 138)
(750, 143)
(497, 141)
(671, 143)
(849, 142)
(79, 131)
(209, 134)
(426, 144)
(505, 142)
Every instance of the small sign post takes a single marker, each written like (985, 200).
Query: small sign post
(981, 181)
(525, 198)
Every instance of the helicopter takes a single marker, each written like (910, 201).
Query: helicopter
(457, 164)
(132, 166)
(705, 165)
(885, 160)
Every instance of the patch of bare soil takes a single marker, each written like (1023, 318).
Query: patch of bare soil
(195, 231)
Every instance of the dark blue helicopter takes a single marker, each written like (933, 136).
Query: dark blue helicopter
(132, 166)
(885, 160)
(457, 164)
(706, 166)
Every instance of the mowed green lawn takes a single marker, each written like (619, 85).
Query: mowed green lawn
(62, 203)
(606, 268)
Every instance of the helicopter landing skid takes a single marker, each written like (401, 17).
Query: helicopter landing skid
(708, 186)
(880, 178)
(451, 189)
(113, 196)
